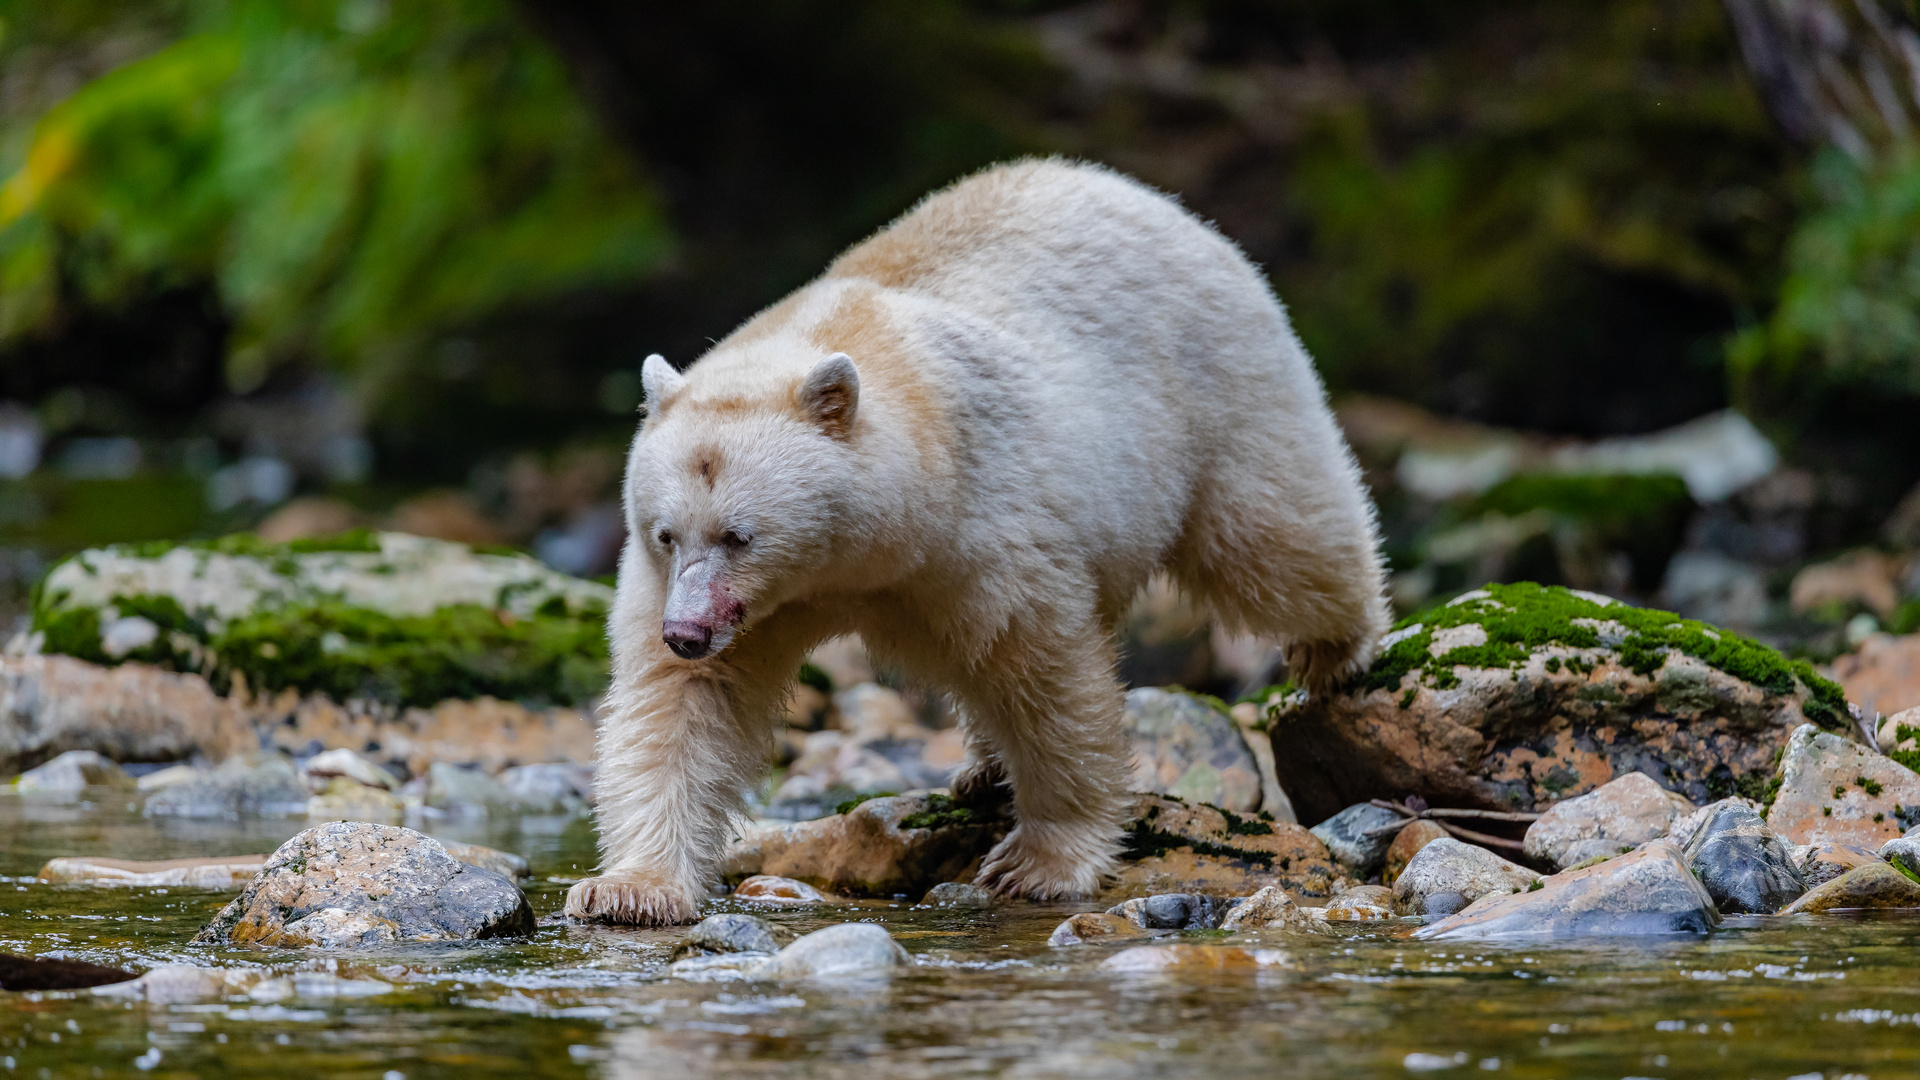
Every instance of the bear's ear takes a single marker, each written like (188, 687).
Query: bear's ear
(660, 382)
(830, 393)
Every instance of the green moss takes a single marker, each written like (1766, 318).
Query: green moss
(848, 806)
(1909, 758)
(1246, 826)
(1871, 787)
(1905, 618)
(1143, 841)
(810, 676)
(251, 545)
(1522, 618)
(941, 812)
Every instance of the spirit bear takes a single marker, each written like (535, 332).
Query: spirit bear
(971, 441)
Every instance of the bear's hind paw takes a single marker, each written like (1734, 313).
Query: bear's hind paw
(630, 899)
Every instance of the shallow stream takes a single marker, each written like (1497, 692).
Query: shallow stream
(1832, 995)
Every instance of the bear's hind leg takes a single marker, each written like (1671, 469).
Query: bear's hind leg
(1052, 714)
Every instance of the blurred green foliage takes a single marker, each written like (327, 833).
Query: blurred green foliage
(352, 178)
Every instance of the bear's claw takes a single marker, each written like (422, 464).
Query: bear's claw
(631, 899)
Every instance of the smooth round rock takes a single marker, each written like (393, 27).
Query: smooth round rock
(958, 894)
(1649, 891)
(1874, 885)
(846, 949)
(767, 889)
(1093, 926)
(731, 933)
(1449, 874)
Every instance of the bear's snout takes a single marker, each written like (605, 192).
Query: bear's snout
(688, 639)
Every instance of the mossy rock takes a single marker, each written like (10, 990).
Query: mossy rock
(1517, 696)
(377, 616)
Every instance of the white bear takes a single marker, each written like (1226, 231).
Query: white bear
(971, 441)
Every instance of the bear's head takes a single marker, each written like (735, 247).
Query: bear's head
(735, 488)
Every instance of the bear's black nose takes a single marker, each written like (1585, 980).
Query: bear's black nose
(688, 640)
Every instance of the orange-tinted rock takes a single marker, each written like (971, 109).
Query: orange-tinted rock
(1883, 675)
(768, 889)
(491, 733)
(1832, 789)
(883, 847)
(1406, 844)
(1093, 926)
(1196, 959)
(52, 704)
(1179, 847)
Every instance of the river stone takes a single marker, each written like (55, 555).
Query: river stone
(72, 772)
(1822, 862)
(732, 933)
(1837, 790)
(1616, 817)
(1199, 959)
(1687, 826)
(1649, 891)
(258, 786)
(349, 800)
(903, 844)
(347, 884)
(1173, 846)
(550, 787)
(1270, 907)
(1568, 716)
(1406, 844)
(880, 747)
(505, 863)
(768, 889)
(957, 894)
(52, 973)
(1093, 926)
(52, 704)
(846, 949)
(1171, 911)
(467, 791)
(1903, 853)
(1745, 867)
(1345, 835)
(1448, 875)
(1189, 748)
(1362, 903)
(1872, 885)
(323, 768)
(225, 873)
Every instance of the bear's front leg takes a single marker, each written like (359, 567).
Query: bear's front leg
(1055, 728)
(674, 755)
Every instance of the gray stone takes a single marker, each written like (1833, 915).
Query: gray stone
(958, 894)
(1744, 866)
(1616, 817)
(262, 786)
(846, 949)
(1869, 886)
(467, 791)
(505, 863)
(1172, 911)
(1364, 903)
(880, 747)
(731, 933)
(1904, 852)
(1448, 874)
(1822, 862)
(1345, 835)
(355, 884)
(72, 772)
(342, 763)
(1186, 747)
(1649, 891)
(551, 788)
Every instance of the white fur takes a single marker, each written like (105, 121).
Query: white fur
(1055, 382)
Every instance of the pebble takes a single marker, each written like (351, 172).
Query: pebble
(1345, 835)
(1171, 911)
(1744, 866)
(846, 949)
(730, 933)
(1449, 874)
(1874, 885)
(958, 894)
(767, 889)
(73, 772)
(1362, 903)
(1093, 926)
(1616, 817)
(1649, 891)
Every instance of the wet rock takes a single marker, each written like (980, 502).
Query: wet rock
(1837, 790)
(846, 949)
(1822, 862)
(168, 777)
(734, 933)
(1882, 675)
(1189, 748)
(550, 788)
(1093, 926)
(957, 894)
(1172, 846)
(1448, 875)
(49, 973)
(73, 772)
(52, 704)
(881, 747)
(1171, 911)
(1198, 959)
(1406, 844)
(467, 791)
(1618, 690)
(1744, 866)
(349, 800)
(1649, 891)
(259, 786)
(1270, 907)
(323, 768)
(348, 884)
(184, 984)
(768, 889)
(225, 873)
(1363, 903)
(882, 847)
(1686, 826)
(1872, 885)
(1616, 817)
(505, 863)
(1346, 835)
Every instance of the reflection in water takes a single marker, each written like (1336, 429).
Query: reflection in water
(1761, 998)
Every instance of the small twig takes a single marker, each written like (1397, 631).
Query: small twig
(1430, 814)
(1490, 815)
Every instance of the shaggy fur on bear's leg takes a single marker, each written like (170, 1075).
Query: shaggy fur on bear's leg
(1055, 725)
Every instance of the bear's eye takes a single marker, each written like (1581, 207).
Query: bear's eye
(665, 536)
(734, 538)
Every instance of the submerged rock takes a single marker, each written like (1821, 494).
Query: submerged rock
(957, 894)
(768, 889)
(882, 847)
(1514, 696)
(185, 984)
(50, 973)
(73, 772)
(1182, 958)
(1093, 926)
(1836, 790)
(1448, 875)
(1406, 844)
(1171, 911)
(265, 785)
(733, 933)
(846, 949)
(349, 884)
(1346, 835)
(1871, 885)
(224, 873)
(1173, 846)
(1616, 817)
(1744, 866)
(1649, 891)
(1190, 748)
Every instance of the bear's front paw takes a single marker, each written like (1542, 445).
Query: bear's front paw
(632, 898)
(1049, 862)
